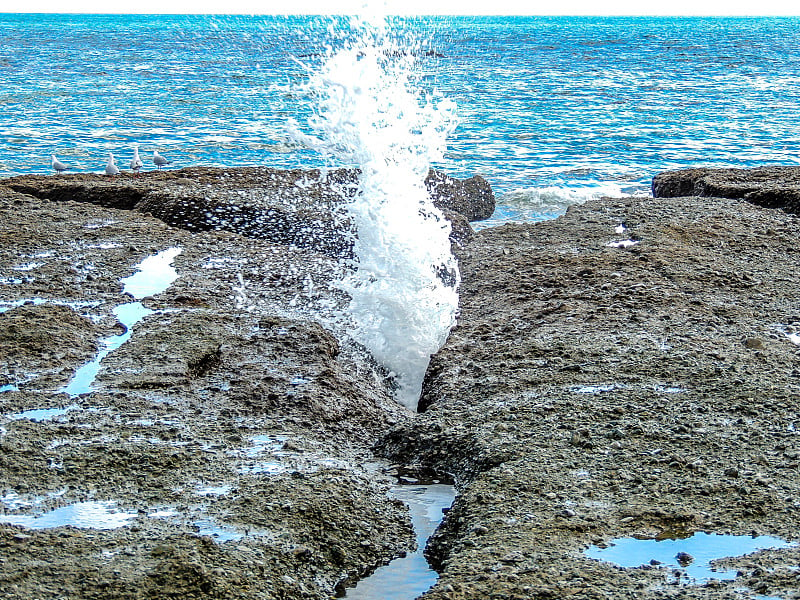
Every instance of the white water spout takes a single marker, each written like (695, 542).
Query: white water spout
(371, 114)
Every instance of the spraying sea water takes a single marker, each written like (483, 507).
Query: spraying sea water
(370, 113)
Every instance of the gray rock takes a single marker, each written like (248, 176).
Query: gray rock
(537, 323)
(302, 208)
(771, 187)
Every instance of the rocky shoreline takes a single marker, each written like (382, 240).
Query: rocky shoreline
(628, 369)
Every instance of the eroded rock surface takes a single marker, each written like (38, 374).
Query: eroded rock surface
(228, 439)
(629, 369)
(625, 370)
(299, 207)
(772, 187)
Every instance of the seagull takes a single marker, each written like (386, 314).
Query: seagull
(111, 168)
(136, 162)
(57, 165)
(159, 160)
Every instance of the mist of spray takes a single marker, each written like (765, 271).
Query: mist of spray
(369, 113)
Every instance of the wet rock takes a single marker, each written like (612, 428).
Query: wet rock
(754, 343)
(302, 208)
(771, 187)
(35, 339)
(512, 405)
(228, 402)
(471, 197)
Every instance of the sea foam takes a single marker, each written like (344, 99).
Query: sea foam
(370, 113)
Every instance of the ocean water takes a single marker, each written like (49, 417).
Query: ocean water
(550, 110)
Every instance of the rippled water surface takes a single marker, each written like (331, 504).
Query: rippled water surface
(552, 110)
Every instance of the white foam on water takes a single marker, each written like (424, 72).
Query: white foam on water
(369, 113)
(532, 204)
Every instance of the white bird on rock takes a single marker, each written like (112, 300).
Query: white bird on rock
(57, 165)
(111, 168)
(136, 162)
(159, 160)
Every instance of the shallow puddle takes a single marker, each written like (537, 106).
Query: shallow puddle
(693, 554)
(213, 490)
(28, 266)
(594, 389)
(219, 533)
(408, 577)
(86, 515)
(42, 414)
(154, 276)
(127, 314)
(105, 515)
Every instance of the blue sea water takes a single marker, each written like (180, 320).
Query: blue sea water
(552, 110)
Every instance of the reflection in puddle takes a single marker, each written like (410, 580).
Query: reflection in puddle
(270, 455)
(13, 501)
(43, 414)
(100, 223)
(408, 577)
(265, 468)
(214, 490)
(220, 533)
(155, 274)
(10, 387)
(28, 266)
(265, 443)
(104, 515)
(622, 244)
(670, 389)
(594, 389)
(127, 314)
(693, 554)
(85, 515)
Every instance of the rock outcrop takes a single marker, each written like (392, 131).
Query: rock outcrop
(303, 208)
(594, 390)
(229, 434)
(629, 369)
(770, 187)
